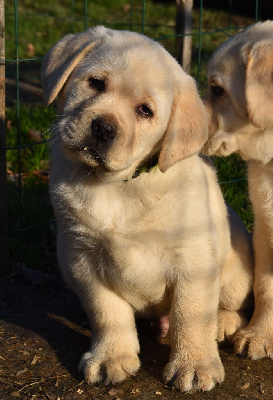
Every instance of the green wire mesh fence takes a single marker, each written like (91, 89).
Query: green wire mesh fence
(31, 28)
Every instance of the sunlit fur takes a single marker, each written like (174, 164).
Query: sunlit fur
(156, 244)
(241, 120)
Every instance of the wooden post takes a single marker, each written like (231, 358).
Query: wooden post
(3, 167)
(183, 45)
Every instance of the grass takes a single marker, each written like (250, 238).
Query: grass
(28, 200)
(232, 178)
(34, 132)
(40, 24)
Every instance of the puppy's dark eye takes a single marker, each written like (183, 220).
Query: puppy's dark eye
(97, 84)
(144, 111)
(217, 90)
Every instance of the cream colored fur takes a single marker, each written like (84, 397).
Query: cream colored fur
(241, 121)
(156, 244)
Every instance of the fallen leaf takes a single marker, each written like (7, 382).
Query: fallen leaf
(245, 386)
(115, 392)
(112, 392)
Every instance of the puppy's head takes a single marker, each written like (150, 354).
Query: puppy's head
(239, 99)
(122, 98)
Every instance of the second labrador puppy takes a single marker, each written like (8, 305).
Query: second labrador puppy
(132, 238)
(240, 107)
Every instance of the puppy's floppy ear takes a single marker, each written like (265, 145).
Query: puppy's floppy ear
(259, 83)
(61, 59)
(187, 130)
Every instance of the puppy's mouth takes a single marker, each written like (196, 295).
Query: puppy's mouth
(88, 152)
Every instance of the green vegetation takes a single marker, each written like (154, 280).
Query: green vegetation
(232, 178)
(33, 127)
(40, 24)
(28, 199)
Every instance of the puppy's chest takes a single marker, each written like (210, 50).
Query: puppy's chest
(132, 269)
(125, 237)
(110, 209)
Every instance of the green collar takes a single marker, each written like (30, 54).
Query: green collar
(146, 166)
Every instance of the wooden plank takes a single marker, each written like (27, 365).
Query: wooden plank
(3, 168)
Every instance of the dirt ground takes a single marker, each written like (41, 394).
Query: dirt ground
(44, 331)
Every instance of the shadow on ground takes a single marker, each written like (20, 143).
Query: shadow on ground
(44, 331)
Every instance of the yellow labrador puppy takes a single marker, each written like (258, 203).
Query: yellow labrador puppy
(132, 238)
(240, 107)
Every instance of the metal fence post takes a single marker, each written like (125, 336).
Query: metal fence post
(183, 49)
(3, 168)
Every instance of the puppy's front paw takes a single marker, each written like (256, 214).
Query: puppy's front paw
(252, 343)
(98, 368)
(202, 375)
(229, 322)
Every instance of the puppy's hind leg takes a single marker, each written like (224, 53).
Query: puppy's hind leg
(256, 340)
(237, 277)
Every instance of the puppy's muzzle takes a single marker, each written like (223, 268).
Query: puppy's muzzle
(102, 130)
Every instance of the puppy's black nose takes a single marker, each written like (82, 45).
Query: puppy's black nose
(103, 130)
